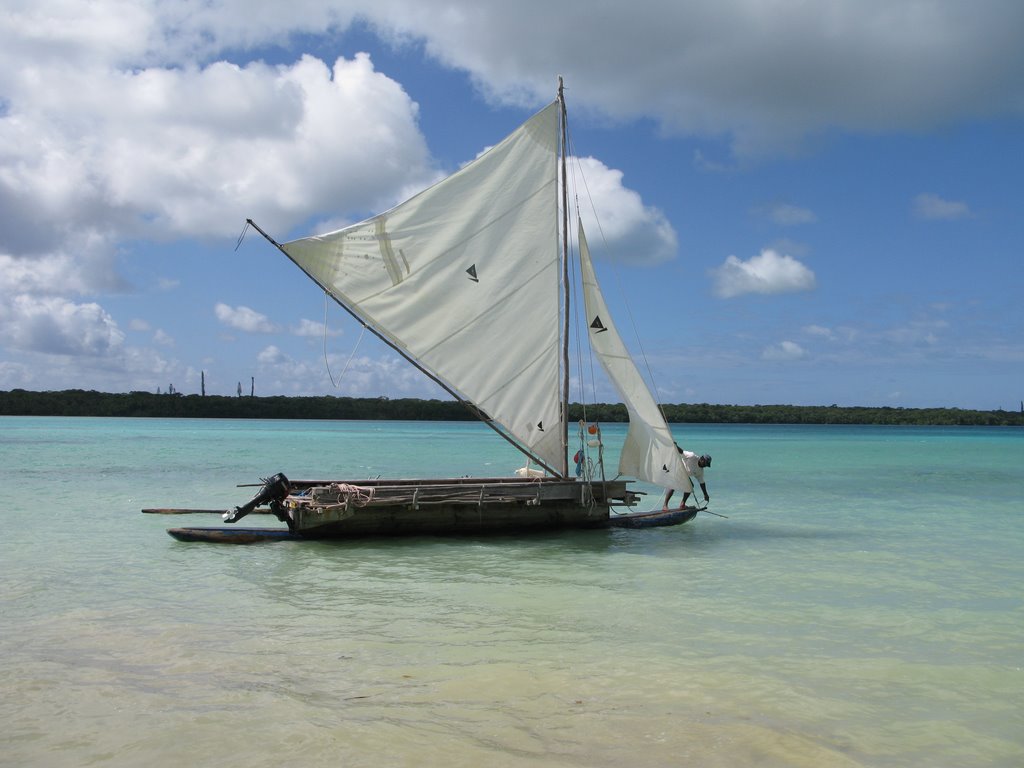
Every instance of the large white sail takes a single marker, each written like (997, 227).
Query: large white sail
(649, 452)
(464, 278)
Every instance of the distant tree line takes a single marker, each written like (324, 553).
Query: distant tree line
(77, 402)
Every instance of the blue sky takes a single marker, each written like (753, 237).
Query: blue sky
(804, 203)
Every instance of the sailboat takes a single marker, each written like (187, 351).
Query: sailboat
(469, 282)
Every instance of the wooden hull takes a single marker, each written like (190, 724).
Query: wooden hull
(450, 506)
(380, 508)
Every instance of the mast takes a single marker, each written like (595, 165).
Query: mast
(564, 469)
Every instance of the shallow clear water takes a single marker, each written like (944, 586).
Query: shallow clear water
(861, 606)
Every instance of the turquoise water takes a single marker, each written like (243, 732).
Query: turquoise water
(860, 606)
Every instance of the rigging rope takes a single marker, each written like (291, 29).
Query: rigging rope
(241, 237)
(577, 170)
(585, 468)
(352, 354)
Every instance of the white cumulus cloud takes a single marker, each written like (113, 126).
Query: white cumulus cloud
(927, 206)
(163, 338)
(56, 326)
(766, 74)
(789, 215)
(768, 273)
(243, 319)
(272, 355)
(633, 232)
(819, 330)
(314, 329)
(785, 350)
(193, 150)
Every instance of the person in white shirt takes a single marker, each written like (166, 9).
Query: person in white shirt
(694, 466)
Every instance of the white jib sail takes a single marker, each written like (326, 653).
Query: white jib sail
(649, 452)
(464, 277)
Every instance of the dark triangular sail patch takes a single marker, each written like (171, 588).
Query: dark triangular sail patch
(540, 425)
(472, 274)
(597, 325)
(664, 468)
